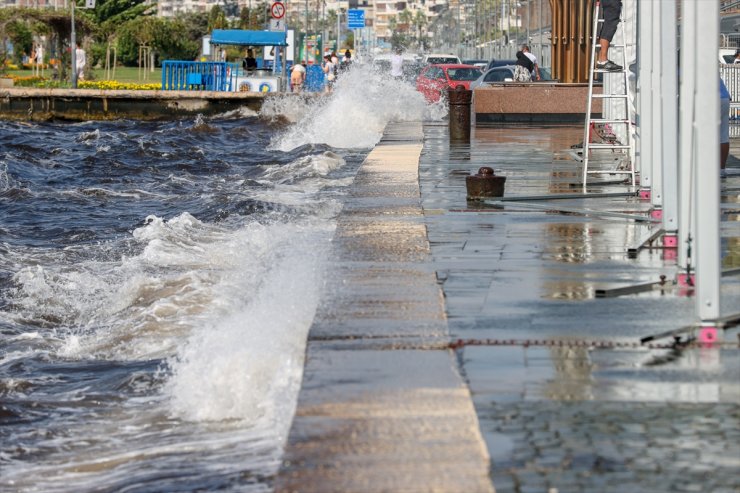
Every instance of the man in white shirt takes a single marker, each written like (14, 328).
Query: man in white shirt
(536, 70)
(81, 60)
(397, 64)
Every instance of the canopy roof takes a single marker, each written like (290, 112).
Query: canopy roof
(248, 38)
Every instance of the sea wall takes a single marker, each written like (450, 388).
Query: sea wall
(26, 104)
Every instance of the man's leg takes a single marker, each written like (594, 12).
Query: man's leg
(612, 9)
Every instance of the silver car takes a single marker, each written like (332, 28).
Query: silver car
(504, 73)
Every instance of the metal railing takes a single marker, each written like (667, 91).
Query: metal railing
(198, 76)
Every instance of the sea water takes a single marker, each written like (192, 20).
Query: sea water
(157, 284)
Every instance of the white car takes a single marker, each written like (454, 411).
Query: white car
(437, 58)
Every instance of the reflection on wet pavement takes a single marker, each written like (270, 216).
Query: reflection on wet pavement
(576, 418)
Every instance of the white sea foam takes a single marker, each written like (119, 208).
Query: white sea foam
(355, 114)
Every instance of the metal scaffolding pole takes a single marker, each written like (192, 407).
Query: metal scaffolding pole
(706, 199)
(644, 143)
(687, 137)
(656, 195)
(669, 127)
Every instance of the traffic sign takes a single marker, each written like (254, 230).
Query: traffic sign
(90, 4)
(277, 25)
(277, 10)
(355, 18)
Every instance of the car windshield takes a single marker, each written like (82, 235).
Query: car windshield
(466, 73)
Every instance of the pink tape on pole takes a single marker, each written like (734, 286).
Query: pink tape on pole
(708, 335)
(670, 241)
(656, 214)
(645, 194)
(686, 280)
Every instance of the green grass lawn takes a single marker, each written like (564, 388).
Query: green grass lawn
(122, 74)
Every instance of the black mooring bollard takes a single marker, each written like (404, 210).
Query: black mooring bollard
(459, 108)
(485, 184)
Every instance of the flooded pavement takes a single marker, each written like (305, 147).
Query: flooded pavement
(567, 398)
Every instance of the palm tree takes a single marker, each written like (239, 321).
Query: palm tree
(420, 22)
(405, 18)
(392, 24)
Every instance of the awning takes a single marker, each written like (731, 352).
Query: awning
(240, 37)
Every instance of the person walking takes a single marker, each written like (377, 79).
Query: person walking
(297, 77)
(330, 73)
(533, 59)
(612, 10)
(81, 62)
(724, 128)
(40, 59)
(397, 64)
(523, 67)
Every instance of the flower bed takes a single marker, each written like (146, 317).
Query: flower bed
(115, 85)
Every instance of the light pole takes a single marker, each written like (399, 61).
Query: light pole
(73, 48)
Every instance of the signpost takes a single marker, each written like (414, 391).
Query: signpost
(355, 19)
(277, 10)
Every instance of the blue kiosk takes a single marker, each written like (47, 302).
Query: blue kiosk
(223, 76)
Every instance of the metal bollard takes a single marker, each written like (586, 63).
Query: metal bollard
(485, 184)
(459, 108)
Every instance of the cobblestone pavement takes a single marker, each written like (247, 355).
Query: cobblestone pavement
(573, 418)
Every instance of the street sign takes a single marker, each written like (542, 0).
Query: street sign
(277, 24)
(89, 4)
(277, 10)
(355, 18)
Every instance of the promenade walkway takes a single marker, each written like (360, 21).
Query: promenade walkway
(549, 389)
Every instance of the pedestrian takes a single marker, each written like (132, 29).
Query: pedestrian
(249, 63)
(39, 61)
(523, 68)
(530, 55)
(724, 128)
(334, 58)
(81, 62)
(347, 61)
(397, 64)
(612, 10)
(330, 73)
(298, 77)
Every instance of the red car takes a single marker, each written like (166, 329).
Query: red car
(434, 80)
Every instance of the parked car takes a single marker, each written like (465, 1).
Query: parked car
(435, 80)
(411, 67)
(437, 58)
(505, 74)
(482, 64)
(499, 63)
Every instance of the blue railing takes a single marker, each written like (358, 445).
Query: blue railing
(198, 76)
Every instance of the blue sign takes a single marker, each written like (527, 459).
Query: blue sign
(355, 19)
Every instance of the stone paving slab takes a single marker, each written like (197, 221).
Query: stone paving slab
(388, 420)
(576, 418)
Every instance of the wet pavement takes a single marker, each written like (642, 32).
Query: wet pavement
(567, 398)
(447, 323)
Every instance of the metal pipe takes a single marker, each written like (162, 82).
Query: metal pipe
(687, 62)
(669, 107)
(706, 217)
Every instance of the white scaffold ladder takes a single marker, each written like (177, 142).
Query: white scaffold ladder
(606, 123)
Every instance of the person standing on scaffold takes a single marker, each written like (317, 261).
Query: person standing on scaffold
(612, 10)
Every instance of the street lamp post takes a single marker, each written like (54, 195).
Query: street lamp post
(73, 48)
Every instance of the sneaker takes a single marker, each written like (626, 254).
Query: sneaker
(608, 66)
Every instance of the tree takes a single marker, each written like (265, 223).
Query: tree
(217, 19)
(420, 21)
(117, 12)
(405, 19)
